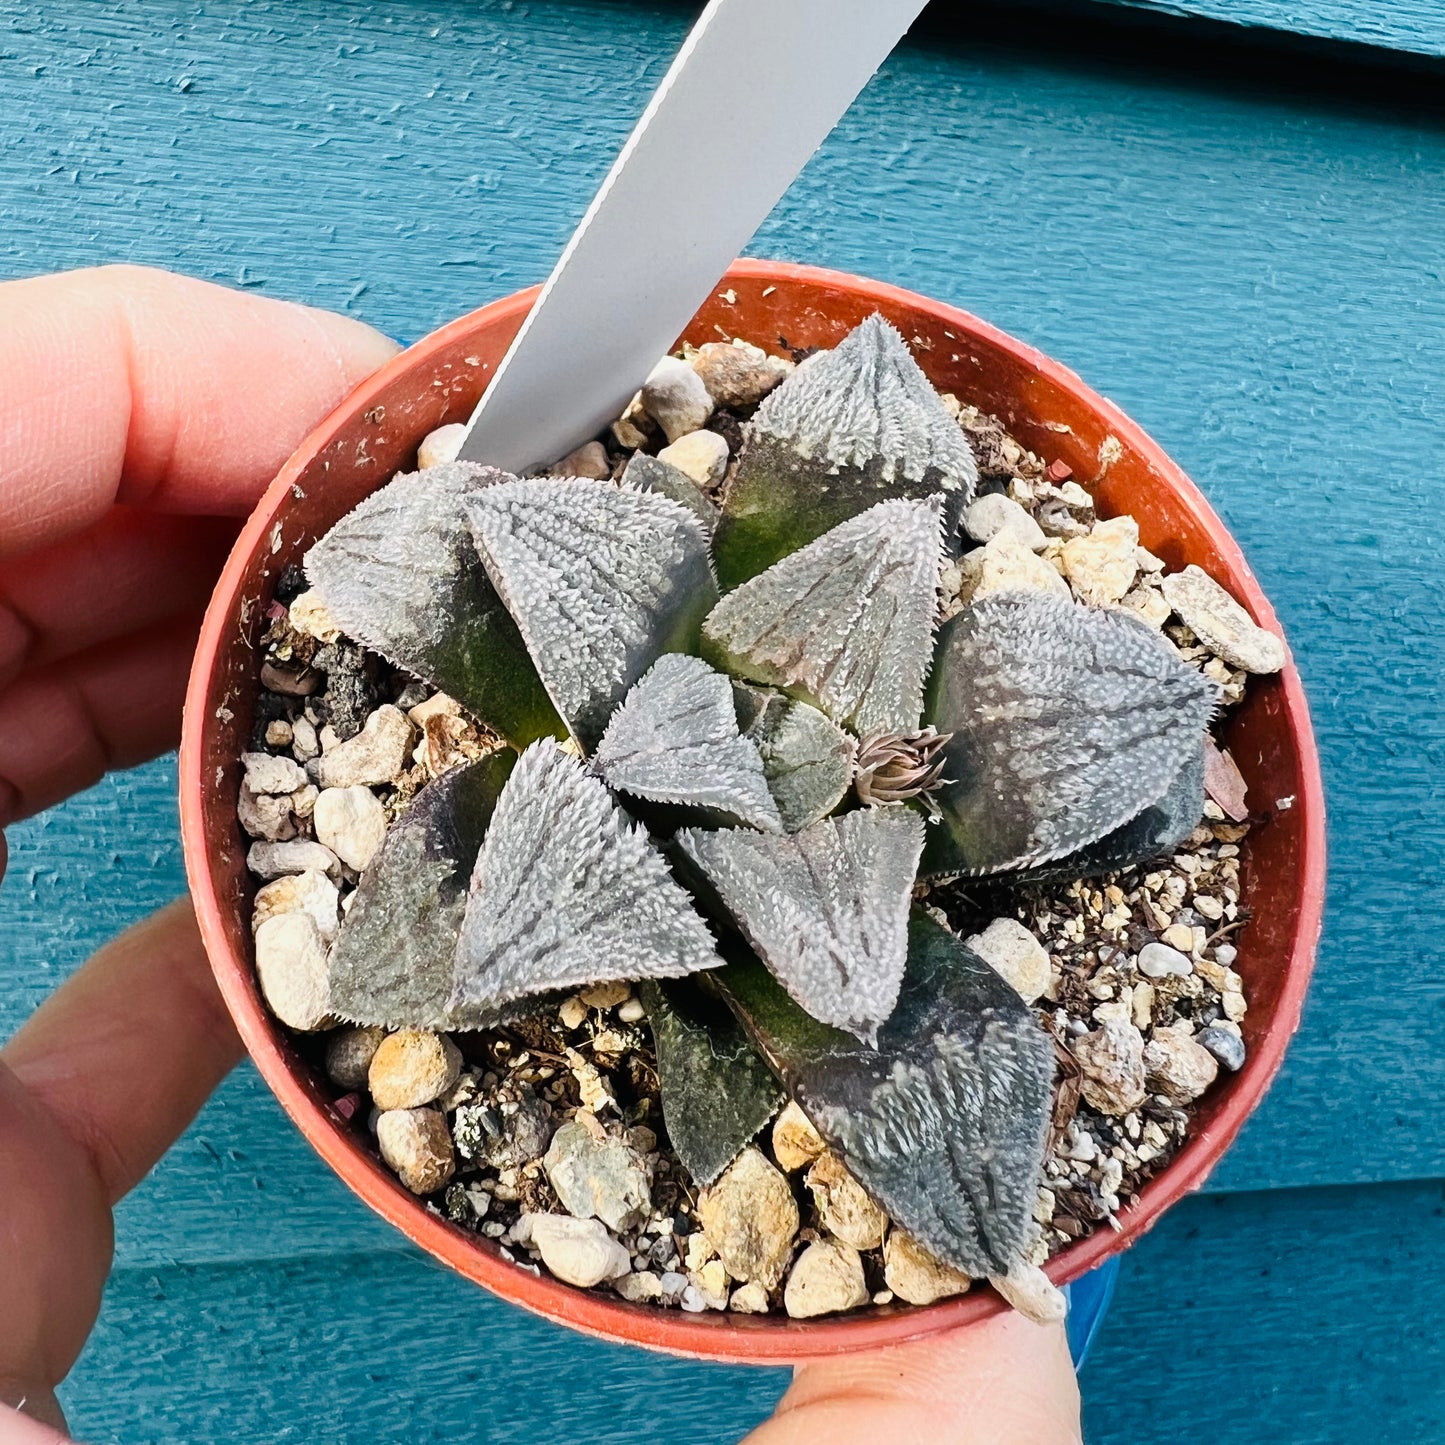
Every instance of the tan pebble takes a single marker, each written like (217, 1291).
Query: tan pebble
(412, 1067)
(437, 705)
(276, 860)
(749, 1299)
(796, 1143)
(349, 1053)
(1180, 936)
(605, 995)
(279, 733)
(266, 773)
(440, 446)
(1101, 566)
(1234, 1005)
(1005, 564)
(639, 1288)
(291, 966)
(712, 1278)
(264, 815)
(827, 1279)
(1028, 1289)
(377, 754)
(309, 614)
(750, 1218)
(1112, 1062)
(634, 426)
(572, 1013)
(701, 455)
(304, 743)
(915, 1275)
(309, 892)
(632, 1012)
(738, 374)
(589, 460)
(352, 823)
(1015, 955)
(843, 1205)
(1221, 624)
(1177, 1066)
(418, 1145)
(1148, 603)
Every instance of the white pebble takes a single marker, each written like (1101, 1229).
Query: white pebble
(1015, 955)
(701, 455)
(308, 613)
(440, 446)
(309, 892)
(826, 1279)
(1158, 960)
(276, 860)
(579, 1251)
(987, 516)
(352, 823)
(418, 1145)
(266, 773)
(676, 398)
(291, 967)
(377, 754)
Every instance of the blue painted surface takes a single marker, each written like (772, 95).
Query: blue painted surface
(1255, 277)
(1415, 26)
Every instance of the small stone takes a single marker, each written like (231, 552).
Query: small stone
(1101, 567)
(352, 823)
(712, 1280)
(310, 615)
(1234, 1005)
(1015, 955)
(1005, 564)
(416, 1143)
(639, 1288)
(572, 1013)
(1221, 624)
(505, 1135)
(1159, 960)
(1180, 936)
(826, 1279)
(631, 1012)
(440, 446)
(673, 1285)
(1071, 493)
(1225, 954)
(579, 1251)
(634, 426)
(738, 374)
(296, 681)
(413, 1067)
(264, 816)
(278, 733)
(349, 1053)
(989, 515)
(1207, 907)
(304, 743)
(291, 968)
(693, 1300)
(796, 1143)
(437, 705)
(1112, 1062)
(589, 460)
(1029, 1290)
(843, 1205)
(676, 398)
(605, 995)
(309, 892)
(266, 773)
(1177, 1066)
(750, 1218)
(606, 1177)
(1148, 603)
(276, 860)
(749, 1299)
(701, 455)
(1225, 1044)
(915, 1275)
(1141, 1005)
(377, 754)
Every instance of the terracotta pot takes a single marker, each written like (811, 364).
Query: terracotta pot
(376, 431)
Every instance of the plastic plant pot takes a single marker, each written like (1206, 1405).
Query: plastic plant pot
(1047, 408)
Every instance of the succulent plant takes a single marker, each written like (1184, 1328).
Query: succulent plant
(729, 796)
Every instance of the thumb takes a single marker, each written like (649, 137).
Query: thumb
(1006, 1381)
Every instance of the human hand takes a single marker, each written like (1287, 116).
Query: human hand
(139, 413)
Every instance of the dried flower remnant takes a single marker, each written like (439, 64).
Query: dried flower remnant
(894, 767)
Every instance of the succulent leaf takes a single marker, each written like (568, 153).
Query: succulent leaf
(675, 740)
(652, 474)
(807, 758)
(825, 908)
(400, 574)
(717, 1091)
(601, 581)
(849, 428)
(391, 963)
(846, 622)
(944, 1122)
(567, 891)
(1067, 722)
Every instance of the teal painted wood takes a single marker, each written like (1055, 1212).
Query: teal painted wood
(1299, 1315)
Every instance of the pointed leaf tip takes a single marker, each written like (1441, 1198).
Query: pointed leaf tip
(568, 891)
(1067, 722)
(675, 740)
(825, 908)
(847, 621)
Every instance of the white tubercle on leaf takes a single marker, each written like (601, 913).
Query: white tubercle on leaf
(675, 740)
(600, 580)
(569, 891)
(848, 619)
(825, 908)
(866, 402)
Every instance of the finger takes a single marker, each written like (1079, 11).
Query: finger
(63, 726)
(33, 1418)
(125, 573)
(126, 1051)
(1006, 1381)
(131, 385)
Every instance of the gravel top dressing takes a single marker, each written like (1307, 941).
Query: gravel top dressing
(1073, 979)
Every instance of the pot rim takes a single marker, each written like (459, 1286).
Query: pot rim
(766, 1339)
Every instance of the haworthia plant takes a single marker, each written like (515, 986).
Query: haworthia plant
(785, 742)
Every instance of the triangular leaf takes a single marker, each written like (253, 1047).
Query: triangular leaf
(807, 758)
(601, 582)
(569, 891)
(717, 1091)
(944, 1123)
(847, 622)
(400, 574)
(1067, 722)
(675, 740)
(391, 963)
(652, 474)
(851, 427)
(826, 908)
